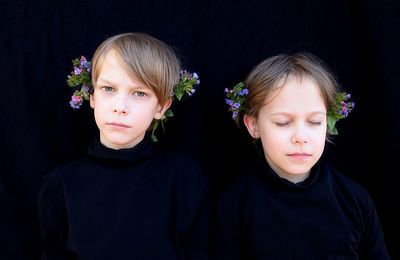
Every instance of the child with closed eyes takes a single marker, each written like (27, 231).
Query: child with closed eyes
(289, 205)
(127, 199)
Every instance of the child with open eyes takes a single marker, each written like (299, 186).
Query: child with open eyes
(128, 199)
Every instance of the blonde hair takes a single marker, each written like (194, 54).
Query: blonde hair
(145, 58)
(272, 74)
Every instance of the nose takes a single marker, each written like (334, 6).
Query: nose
(299, 136)
(120, 105)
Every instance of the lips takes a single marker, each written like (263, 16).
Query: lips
(118, 125)
(299, 156)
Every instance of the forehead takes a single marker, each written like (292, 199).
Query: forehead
(110, 59)
(297, 94)
(113, 68)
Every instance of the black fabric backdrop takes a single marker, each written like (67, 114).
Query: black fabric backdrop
(221, 41)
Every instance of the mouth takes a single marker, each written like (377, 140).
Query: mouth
(299, 156)
(118, 125)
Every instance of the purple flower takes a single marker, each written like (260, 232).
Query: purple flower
(244, 92)
(76, 101)
(348, 95)
(86, 89)
(182, 73)
(344, 110)
(83, 61)
(229, 102)
(234, 114)
(77, 70)
(352, 104)
(226, 90)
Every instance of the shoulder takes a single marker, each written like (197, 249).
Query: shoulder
(347, 188)
(59, 173)
(69, 166)
(342, 181)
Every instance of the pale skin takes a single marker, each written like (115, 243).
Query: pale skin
(123, 107)
(292, 127)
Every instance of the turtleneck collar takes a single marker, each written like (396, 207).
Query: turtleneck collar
(129, 155)
(275, 179)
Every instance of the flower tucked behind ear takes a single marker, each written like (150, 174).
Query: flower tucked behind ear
(236, 99)
(80, 77)
(186, 86)
(339, 110)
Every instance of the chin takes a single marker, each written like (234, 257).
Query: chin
(299, 170)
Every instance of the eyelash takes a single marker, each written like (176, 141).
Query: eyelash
(313, 123)
(282, 124)
(316, 123)
(108, 89)
(139, 93)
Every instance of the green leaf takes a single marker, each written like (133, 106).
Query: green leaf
(333, 131)
(331, 122)
(179, 95)
(169, 113)
(154, 138)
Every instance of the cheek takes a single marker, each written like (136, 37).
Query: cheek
(273, 140)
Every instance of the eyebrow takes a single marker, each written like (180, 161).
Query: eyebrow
(106, 81)
(289, 114)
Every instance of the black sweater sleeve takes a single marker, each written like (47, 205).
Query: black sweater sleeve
(53, 218)
(372, 244)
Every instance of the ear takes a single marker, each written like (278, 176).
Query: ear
(251, 124)
(92, 103)
(161, 109)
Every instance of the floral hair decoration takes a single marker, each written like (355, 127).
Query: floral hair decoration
(236, 100)
(339, 110)
(80, 77)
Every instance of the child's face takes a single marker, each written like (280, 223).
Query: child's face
(123, 107)
(292, 128)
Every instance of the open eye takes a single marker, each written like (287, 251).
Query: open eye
(139, 93)
(108, 88)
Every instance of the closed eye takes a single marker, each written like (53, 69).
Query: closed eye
(282, 124)
(315, 123)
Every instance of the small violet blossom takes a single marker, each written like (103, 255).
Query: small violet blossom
(77, 70)
(76, 101)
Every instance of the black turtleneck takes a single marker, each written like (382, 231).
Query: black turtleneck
(327, 216)
(135, 203)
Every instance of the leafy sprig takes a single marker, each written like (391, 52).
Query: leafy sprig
(236, 99)
(80, 76)
(186, 86)
(339, 110)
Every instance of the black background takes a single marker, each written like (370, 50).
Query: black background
(221, 41)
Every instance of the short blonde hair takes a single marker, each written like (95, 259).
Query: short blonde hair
(145, 58)
(272, 73)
